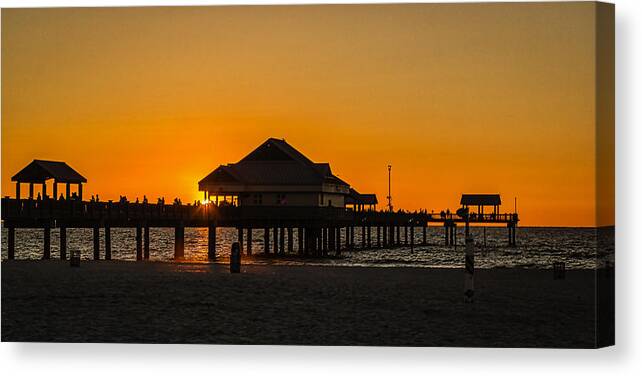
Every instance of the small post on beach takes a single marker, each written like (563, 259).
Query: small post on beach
(47, 243)
(139, 243)
(290, 240)
(300, 240)
(211, 242)
(11, 241)
(559, 270)
(63, 242)
(249, 241)
(146, 242)
(282, 240)
(266, 240)
(425, 230)
(469, 287)
(469, 259)
(179, 242)
(235, 258)
(378, 236)
(96, 243)
(74, 259)
(107, 242)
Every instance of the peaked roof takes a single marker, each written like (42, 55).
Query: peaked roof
(38, 171)
(274, 162)
(480, 199)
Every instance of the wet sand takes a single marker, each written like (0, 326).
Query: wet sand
(154, 302)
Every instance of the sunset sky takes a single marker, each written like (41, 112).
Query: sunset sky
(458, 98)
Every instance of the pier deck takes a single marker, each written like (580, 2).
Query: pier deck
(319, 228)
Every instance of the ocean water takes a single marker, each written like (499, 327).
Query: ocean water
(537, 247)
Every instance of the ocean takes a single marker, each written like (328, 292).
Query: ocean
(537, 247)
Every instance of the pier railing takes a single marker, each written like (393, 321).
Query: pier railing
(36, 213)
(27, 212)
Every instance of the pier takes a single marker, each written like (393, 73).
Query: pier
(320, 230)
(275, 189)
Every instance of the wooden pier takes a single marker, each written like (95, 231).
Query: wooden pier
(320, 230)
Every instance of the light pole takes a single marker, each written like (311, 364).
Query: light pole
(389, 194)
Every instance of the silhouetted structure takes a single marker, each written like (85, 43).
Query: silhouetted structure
(39, 171)
(278, 191)
(494, 201)
(275, 174)
(481, 200)
(360, 201)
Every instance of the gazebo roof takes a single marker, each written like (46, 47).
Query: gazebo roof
(480, 199)
(39, 171)
(360, 198)
(275, 162)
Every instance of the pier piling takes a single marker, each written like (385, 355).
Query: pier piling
(276, 240)
(11, 242)
(146, 243)
(240, 237)
(107, 242)
(63, 242)
(398, 235)
(211, 242)
(96, 243)
(266, 240)
(368, 237)
(412, 238)
(249, 241)
(179, 242)
(281, 240)
(47, 243)
(139, 243)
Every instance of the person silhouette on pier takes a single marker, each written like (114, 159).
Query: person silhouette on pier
(144, 199)
(38, 198)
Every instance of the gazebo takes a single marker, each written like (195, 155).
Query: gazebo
(481, 200)
(359, 201)
(39, 171)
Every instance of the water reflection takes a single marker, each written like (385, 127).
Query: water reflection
(537, 247)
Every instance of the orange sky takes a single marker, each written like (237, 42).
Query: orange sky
(476, 98)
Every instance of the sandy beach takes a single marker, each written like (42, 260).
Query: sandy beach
(158, 302)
